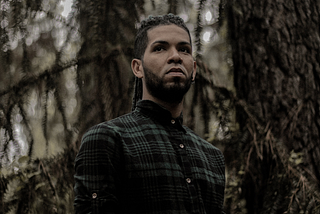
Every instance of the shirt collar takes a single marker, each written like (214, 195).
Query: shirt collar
(158, 112)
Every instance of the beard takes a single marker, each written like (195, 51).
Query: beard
(170, 94)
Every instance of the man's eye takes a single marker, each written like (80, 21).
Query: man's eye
(185, 50)
(159, 48)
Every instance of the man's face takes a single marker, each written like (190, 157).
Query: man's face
(168, 65)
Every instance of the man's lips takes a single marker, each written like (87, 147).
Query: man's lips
(175, 71)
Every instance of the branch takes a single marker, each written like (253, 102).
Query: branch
(49, 179)
(35, 79)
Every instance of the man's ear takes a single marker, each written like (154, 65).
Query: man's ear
(137, 69)
(194, 70)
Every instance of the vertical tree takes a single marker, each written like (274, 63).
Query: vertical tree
(105, 82)
(276, 56)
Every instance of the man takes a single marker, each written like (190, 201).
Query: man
(147, 161)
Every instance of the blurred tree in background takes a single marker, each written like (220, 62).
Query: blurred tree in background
(61, 75)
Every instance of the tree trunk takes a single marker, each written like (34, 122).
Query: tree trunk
(276, 57)
(107, 29)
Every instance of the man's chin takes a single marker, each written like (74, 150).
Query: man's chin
(175, 85)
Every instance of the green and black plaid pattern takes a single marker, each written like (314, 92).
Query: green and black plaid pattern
(147, 162)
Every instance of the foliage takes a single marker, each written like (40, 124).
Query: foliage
(31, 187)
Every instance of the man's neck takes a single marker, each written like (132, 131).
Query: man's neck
(174, 108)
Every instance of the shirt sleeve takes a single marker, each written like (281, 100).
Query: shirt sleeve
(95, 172)
(222, 191)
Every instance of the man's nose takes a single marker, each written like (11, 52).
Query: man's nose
(174, 56)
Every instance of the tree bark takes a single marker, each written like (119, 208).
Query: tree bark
(276, 56)
(107, 29)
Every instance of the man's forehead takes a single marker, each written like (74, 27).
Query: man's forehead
(165, 32)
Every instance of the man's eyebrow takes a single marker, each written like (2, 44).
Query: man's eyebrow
(184, 43)
(161, 42)
(166, 43)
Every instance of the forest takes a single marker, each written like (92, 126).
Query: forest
(256, 96)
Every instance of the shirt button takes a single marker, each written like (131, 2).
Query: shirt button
(173, 121)
(188, 180)
(181, 146)
(94, 195)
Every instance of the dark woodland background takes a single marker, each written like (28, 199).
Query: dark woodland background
(256, 96)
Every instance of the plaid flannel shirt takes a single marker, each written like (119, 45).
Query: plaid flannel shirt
(147, 162)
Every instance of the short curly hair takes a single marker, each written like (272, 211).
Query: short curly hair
(141, 40)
